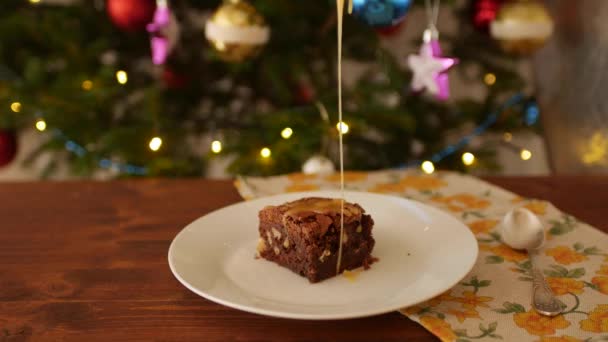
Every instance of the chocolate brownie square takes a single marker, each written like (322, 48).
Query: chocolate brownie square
(304, 236)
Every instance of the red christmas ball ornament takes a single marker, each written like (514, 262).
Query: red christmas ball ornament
(304, 93)
(174, 80)
(388, 31)
(8, 147)
(484, 11)
(131, 15)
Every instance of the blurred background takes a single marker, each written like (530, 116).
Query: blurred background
(108, 89)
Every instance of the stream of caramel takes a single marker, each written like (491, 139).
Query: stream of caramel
(340, 14)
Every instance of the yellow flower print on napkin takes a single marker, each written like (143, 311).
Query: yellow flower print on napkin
(462, 315)
(470, 300)
(603, 270)
(506, 252)
(562, 286)
(388, 188)
(536, 324)
(300, 182)
(423, 182)
(537, 207)
(300, 177)
(517, 199)
(410, 182)
(297, 187)
(461, 202)
(602, 284)
(412, 310)
(439, 328)
(597, 321)
(349, 176)
(564, 338)
(444, 297)
(482, 226)
(565, 255)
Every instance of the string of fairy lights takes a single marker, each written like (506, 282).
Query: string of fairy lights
(531, 114)
(468, 158)
(72, 146)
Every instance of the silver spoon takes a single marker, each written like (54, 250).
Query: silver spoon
(521, 229)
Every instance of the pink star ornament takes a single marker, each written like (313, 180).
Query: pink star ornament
(163, 33)
(430, 69)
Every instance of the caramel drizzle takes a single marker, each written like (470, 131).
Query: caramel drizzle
(321, 206)
(340, 9)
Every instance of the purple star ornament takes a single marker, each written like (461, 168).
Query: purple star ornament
(430, 69)
(159, 43)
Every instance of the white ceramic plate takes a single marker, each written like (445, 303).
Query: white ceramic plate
(422, 250)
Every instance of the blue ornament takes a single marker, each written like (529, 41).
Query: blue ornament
(381, 13)
(532, 113)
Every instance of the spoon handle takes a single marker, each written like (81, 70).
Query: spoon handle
(543, 299)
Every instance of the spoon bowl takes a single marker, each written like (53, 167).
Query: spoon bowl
(521, 229)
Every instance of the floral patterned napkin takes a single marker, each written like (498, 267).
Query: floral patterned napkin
(492, 302)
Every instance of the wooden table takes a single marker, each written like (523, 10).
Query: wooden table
(87, 261)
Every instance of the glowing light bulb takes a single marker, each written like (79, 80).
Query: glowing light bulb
(87, 85)
(34, 1)
(41, 125)
(468, 158)
(220, 45)
(427, 167)
(122, 77)
(507, 137)
(16, 107)
(216, 146)
(265, 152)
(595, 149)
(155, 144)
(342, 127)
(286, 133)
(525, 154)
(489, 79)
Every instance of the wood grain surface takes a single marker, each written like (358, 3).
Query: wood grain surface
(87, 261)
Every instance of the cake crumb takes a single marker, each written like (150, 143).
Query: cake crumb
(369, 261)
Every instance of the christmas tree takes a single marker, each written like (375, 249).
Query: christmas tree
(82, 74)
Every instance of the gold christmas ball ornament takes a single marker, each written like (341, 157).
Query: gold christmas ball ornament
(237, 31)
(522, 26)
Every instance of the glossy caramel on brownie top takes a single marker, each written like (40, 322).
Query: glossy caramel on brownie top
(312, 206)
